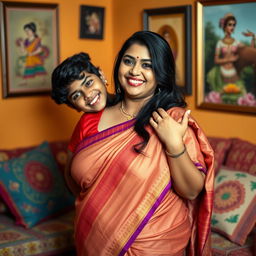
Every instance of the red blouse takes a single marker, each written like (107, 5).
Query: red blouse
(86, 126)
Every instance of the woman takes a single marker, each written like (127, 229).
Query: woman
(135, 173)
(34, 52)
(226, 57)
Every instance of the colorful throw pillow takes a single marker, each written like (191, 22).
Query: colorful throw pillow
(242, 156)
(3, 208)
(33, 188)
(58, 148)
(220, 147)
(234, 211)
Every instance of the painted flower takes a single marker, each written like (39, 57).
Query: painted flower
(213, 97)
(228, 196)
(247, 100)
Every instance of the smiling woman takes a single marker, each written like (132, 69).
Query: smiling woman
(134, 176)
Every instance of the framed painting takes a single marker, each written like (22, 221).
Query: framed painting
(174, 24)
(226, 55)
(29, 46)
(91, 22)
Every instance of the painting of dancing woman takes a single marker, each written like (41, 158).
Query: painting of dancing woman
(230, 73)
(33, 53)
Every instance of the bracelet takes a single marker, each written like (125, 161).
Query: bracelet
(176, 155)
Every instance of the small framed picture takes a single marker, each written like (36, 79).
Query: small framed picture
(174, 24)
(91, 22)
(29, 45)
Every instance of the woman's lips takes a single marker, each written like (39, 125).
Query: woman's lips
(135, 82)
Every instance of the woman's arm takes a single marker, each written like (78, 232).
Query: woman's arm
(188, 181)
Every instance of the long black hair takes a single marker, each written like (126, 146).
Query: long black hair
(167, 94)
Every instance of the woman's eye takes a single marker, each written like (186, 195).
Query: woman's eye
(89, 83)
(76, 96)
(128, 61)
(147, 65)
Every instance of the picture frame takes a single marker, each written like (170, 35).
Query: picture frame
(29, 46)
(226, 55)
(92, 22)
(174, 24)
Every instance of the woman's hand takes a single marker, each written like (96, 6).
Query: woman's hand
(249, 33)
(168, 130)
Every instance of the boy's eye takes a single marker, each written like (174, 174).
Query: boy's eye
(76, 96)
(147, 65)
(89, 83)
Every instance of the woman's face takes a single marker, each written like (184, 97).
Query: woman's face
(29, 32)
(230, 26)
(135, 73)
(88, 94)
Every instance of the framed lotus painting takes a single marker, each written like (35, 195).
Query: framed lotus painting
(174, 24)
(29, 47)
(226, 55)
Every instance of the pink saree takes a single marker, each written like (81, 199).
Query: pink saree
(127, 205)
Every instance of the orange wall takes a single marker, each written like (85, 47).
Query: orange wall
(30, 120)
(128, 19)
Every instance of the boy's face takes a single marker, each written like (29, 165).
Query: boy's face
(88, 94)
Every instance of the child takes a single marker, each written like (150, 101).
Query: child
(79, 84)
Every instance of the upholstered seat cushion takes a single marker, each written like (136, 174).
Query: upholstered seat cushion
(52, 237)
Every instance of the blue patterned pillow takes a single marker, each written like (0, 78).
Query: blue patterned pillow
(33, 187)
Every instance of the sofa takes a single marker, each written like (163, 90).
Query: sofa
(51, 233)
(233, 222)
(36, 209)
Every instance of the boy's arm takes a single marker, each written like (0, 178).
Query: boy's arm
(72, 185)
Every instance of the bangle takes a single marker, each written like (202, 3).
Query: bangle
(176, 155)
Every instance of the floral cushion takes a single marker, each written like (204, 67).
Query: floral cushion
(33, 188)
(220, 147)
(242, 156)
(234, 204)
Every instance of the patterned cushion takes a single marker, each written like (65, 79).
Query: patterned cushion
(242, 156)
(234, 204)
(33, 188)
(51, 237)
(59, 150)
(2, 206)
(220, 147)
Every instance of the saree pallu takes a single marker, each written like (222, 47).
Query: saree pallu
(34, 63)
(127, 205)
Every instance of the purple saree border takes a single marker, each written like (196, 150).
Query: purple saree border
(145, 220)
(104, 134)
(200, 167)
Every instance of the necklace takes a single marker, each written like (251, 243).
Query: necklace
(228, 40)
(124, 113)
